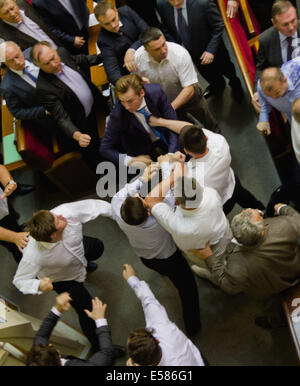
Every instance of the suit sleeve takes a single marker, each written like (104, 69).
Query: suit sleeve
(167, 112)
(50, 23)
(46, 328)
(111, 139)
(18, 110)
(57, 111)
(289, 211)
(226, 274)
(262, 61)
(217, 26)
(140, 24)
(110, 62)
(103, 357)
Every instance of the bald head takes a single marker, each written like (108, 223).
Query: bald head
(296, 109)
(273, 82)
(12, 55)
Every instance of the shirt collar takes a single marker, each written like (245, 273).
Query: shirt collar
(27, 64)
(47, 245)
(143, 104)
(16, 24)
(283, 37)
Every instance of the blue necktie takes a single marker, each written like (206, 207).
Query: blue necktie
(183, 29)
(156, 132)
(29, 74)
(289, 48)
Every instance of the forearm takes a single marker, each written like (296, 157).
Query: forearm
(7, 235)
(171, 124)
(183, 97)
(5, 175)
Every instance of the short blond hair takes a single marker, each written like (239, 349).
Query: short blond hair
(133, 81)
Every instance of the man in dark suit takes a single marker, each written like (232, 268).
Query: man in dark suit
(262, 260)
(118, 38)
(68, 20)
(274, 42)
(64, 89)
(44, 354)
(128, 138)
(197, 24)
(20, 23)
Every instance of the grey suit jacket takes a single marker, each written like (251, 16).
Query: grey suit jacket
(267, 268)
(269, 52)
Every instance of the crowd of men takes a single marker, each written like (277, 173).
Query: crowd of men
(174, 212)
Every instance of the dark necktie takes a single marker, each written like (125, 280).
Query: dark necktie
(156, 132)
(183, 29)
(289, 48)
(29, 74)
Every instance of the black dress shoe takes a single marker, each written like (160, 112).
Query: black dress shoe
(263, 321)
(118, 351)
(23, 189)
(192, 331)
(212, 90)
(91, 267)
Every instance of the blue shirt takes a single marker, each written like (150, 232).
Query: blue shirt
(291, 70)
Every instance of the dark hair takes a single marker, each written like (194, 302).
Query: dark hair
(193, 139)
(133, 211)
(150, 34)
(43, 355)
(101, 8)
(41, 226)
(143, 348)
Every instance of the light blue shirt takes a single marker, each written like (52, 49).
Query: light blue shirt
(284, 45)
(291, 70)
(78, 85)
(68, 6)
(29, 27)
(184, 14)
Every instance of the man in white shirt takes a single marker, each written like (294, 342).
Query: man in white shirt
(198, 218)
(161, 343)
(154, 245)
(210, 163)
(60, 256)
(170, 65)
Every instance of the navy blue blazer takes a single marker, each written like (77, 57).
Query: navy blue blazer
(103, 357)
(21, 98)
(60, 22)
(205, 24)
(113, 46)
(125, 134)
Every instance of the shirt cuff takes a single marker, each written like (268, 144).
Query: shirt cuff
(101, 322)
(132, 281)
(127, 160)
(281, 206)
(55, 311)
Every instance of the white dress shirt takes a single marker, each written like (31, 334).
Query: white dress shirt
(3, 206)
(173, 73)
(149, 239)
(284, 45)
(35, 70)
(295, 132)
(184, 14)
(192, 229)
(213, 170)
(63, 260)
(29, 27)
(177, 349)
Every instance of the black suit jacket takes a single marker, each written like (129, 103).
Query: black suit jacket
(8, 32)
(60, 22)
(126, 135)
(103, 357)
(269, 52)
(113, 46)
(65, 108)
(205, 25)
(21, 97)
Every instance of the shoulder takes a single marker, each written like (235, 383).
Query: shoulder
(268, 34)
(153, 89)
